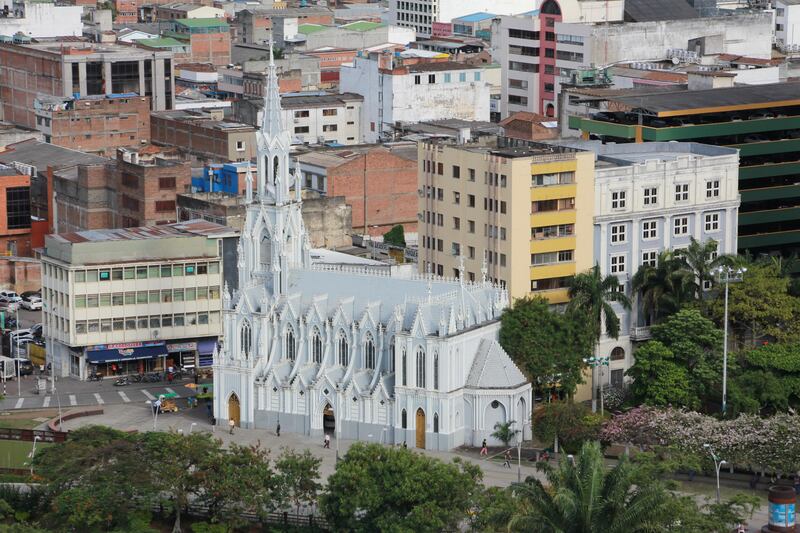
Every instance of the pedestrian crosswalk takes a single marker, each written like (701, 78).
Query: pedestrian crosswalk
(103, 397)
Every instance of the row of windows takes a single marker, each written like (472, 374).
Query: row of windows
(145, 272)
(188, 294)
(107, 325)
(414, 6)
(549, 232)
(558, 204)
(550, 258)
(650, 194)
(404, 420)
(556, 178)
(680, 226)
(447, 77)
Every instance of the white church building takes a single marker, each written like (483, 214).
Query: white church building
(353, 352)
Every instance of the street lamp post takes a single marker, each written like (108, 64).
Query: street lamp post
(520, 438)
(597, 362)
(155, 406)
(717, 465)
(33, 450)
(727, 275)
(338, 418)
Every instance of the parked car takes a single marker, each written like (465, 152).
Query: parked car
(9, 296)
(36, 330)
(25, 294)
(32, 303)
(25, 366)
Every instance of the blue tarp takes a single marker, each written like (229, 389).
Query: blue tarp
(125, 354)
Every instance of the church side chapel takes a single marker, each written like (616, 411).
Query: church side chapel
(353, 352)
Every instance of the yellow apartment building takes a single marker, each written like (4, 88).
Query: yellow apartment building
(520, 210)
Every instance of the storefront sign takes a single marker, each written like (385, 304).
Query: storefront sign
(122, 346)
(182, 347)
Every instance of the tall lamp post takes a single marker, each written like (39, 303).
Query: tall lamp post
(597, 362)
(520, 437)
(717, 465)
(727, 275)
(33, 450)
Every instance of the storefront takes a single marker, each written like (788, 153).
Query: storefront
(192, 354)
(127, 358)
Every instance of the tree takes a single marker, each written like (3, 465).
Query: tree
(593, 294)
(298, 477)
(377, 488)
(663, 288)
(701, 260)
(572, 423)
(395, 236)
(658, 379)
(545, 344)
(504, 432)
(583, 497)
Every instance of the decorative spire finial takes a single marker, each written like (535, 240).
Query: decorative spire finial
(484, 268)
(271, 119)
(248, 180)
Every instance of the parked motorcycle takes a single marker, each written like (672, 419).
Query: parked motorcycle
(121, 382)
(95, 377)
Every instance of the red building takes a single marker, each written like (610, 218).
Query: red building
(127, 11)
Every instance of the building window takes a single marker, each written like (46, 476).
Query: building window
(431, 78)
(650, 258)
(417, 79)
(457, 198)
(18, 207)
(301, 129)
(650, 195)
(470, 200)
(436, 370)
(436, 422)
(404, 368)
(343, 349)
(329, 112)
(649, 229)
(617, 264)
(681, 226)
(618, 200)
(420, 368)
(245, 339)
(240, 146)
(330, 127)
(456, 171)
(403, 419)
(712, 189)
(165, 205)
(712, 222)
(316, 347)
(682, 192)
(447, 77)
(618, 234)
(369, 352)
(618, 354)
(166, 184)
(290, 347)
(301, 114)
(462, 76)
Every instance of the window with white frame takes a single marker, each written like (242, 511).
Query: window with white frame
(712, 189)
(712, 222)
(649, 229)
(617, 264)
(618, 233)
(650, 258)
(681, 192)
(618, 200)
(650, 195)
(680, 226)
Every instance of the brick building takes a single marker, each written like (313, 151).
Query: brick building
(204, 135)
(147, 182)
(380, 181)
(209, 39)
(127, 11)
(15, 212)
(97, 125)
(530, 126)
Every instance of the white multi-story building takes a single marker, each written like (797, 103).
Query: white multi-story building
(141, 299)
(399, 88)
(651, 197)
(787, 24)
(41, 20)
(317, 118)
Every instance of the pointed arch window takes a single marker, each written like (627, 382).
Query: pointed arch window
(316, 347)
(275, 170)
(246, 339)
(290, 346)
(369, 352)
(391, 355)
(265, 250)
(343, 349)
(403, 419)
(404, 368)
(420, 368)
(436, 422)
(436, 370)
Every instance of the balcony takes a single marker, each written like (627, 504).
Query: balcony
(641, 333)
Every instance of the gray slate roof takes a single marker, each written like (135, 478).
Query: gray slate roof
(494, 369)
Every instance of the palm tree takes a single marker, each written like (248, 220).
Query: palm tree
(583, 497)
(663, 287)
(699, 258)
(504, 433)
(593, 294)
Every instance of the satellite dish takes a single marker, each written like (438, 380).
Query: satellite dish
(675, 60)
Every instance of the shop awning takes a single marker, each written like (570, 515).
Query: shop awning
(206, 346)
(125, 354)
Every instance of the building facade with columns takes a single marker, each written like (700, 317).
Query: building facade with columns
(353, 352)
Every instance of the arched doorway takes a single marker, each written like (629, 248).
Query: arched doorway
(420, 429)
(328, 421)
(233, 409)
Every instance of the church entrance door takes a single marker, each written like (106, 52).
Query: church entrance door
(328, 421)
(233, 409)
(420, 429)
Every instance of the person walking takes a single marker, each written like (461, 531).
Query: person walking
(507, 457)
(327, 442)
(484, 449)
(231, 425)
(196, 378)
(278, 429)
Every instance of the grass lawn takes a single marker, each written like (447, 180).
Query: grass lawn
(19, 423)
(14, 454)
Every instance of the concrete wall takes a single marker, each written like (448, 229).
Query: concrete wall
(45, 20)
(20, 274)
(328, 221)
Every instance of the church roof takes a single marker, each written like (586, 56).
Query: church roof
(494, 369)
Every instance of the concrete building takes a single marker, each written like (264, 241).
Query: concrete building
(760, 120)
(11, 134)
(477, 24)
(256, 23)
(530, 127)
(41, 20)
(519, 211)
(358, 35)
(227, 178)
(398, 89)
(126, 11)
(146, 184)
(204, 135)
(97, 124)
(179, 10)
(328, 219)
(380, 181)
(135, 300)
(209, 39)
(787, 24)
(15, 212)
(64, 68)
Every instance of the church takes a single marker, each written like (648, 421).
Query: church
(353, 351)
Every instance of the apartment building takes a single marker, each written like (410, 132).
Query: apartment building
(204, 135)
(517, 212)
(209, 39)
(423, 16)
(140, 299)
(37, 20)
(16, 224)
(126, 11)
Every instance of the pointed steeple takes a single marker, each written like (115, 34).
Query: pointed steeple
(271, 123)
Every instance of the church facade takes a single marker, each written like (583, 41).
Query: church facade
(353, 352)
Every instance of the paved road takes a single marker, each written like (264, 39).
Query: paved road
(71, 393)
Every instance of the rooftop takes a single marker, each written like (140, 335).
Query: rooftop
(626, 154)
(362, 25)
(475, 17)
(510, 148)
(438, 66)
(83, 50)
(308, 29)
(201, 23)
(652, 10)
(41, 155)
(160, 42)
(191, 228)
(334, 157)
(298, 100)
(202, 119)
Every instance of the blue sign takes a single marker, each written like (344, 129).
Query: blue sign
(781, 514)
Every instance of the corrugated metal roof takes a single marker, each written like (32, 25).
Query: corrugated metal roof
(650, 10)
(42, 154)
(475, 17)
(191, 228)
